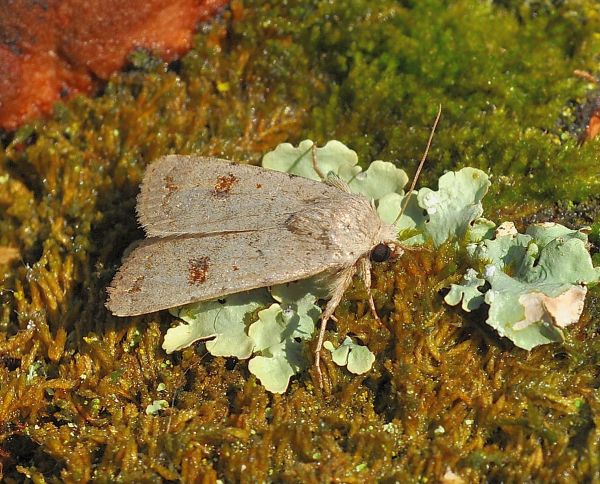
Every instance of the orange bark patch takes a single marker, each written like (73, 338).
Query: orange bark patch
(52, 49)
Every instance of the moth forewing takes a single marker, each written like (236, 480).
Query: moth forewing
(201, 195)
(163, 273)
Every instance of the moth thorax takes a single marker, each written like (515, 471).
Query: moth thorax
(388, 233)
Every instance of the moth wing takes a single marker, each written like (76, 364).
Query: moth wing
(200, 195)
(167, 272)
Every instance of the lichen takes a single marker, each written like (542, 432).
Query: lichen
(444, 392)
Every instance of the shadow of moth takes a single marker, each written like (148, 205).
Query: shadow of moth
(215, 228)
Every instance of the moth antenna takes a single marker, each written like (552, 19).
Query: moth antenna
(314, 162)
(420, 167)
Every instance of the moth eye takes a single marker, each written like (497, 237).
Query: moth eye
(380, 253)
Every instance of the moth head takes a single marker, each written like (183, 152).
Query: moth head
(381, 252)
(384, 243)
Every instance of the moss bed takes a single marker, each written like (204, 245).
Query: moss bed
(446, 397)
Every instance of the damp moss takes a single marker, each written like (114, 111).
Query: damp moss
(445, 393)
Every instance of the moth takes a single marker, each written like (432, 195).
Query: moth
(216, 228)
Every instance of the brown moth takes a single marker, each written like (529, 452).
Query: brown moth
(215, 228)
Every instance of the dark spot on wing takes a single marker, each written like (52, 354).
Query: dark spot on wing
(171, 188)
(137, 285)
(170, 185)
(224, 185)
(197, 270)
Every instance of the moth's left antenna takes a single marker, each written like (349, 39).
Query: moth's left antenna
(421, 164)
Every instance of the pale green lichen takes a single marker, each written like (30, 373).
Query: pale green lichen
(156, 407)
(438, 216)
(467, 292)
(221, 322)
(273, 338)
(378, 181)
(535, 282)
(357, 358)
(279, 334)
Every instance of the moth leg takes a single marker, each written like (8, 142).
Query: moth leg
(339, 286)
(314, 162)
(364, 272)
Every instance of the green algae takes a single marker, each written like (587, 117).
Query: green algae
(445, 393)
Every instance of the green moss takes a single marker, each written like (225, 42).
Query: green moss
(444, 393)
